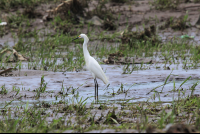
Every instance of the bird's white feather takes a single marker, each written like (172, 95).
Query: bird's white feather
(95, 68)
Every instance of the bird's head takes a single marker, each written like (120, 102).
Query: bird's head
(81, 36)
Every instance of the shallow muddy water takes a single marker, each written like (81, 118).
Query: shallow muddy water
(136, 86)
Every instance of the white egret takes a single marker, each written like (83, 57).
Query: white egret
(92, 65)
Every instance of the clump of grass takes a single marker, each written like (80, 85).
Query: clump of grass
(180, 23)
(166, 4)
(176, 24)
(14, 21)
(196, 1)
(119, 1)
(42, 87)
(15, 4)
(65, 16)
(31, 13)
(111, 118)
(148, 35)
(3, 90)
(68, 10)
(105, 13)
(46, 105)
(64, 26)
(109, 24)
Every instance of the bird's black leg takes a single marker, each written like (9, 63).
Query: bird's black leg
(95, 89)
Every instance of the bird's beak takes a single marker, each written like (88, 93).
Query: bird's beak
(75, 38)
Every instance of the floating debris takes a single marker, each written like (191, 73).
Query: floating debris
(11, 55)
(5, 71)
(187, 36)
(180, 128)
(3, 23)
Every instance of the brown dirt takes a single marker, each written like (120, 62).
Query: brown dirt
(132, 15)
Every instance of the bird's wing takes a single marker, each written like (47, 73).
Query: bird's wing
(95, 68)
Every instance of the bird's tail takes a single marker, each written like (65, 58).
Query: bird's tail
(106, 80)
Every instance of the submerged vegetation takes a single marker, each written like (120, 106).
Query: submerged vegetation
(43, 30)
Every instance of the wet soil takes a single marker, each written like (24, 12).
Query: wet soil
(139, 86)
(140, 13)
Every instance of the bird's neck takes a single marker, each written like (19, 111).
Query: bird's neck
(85, 50)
